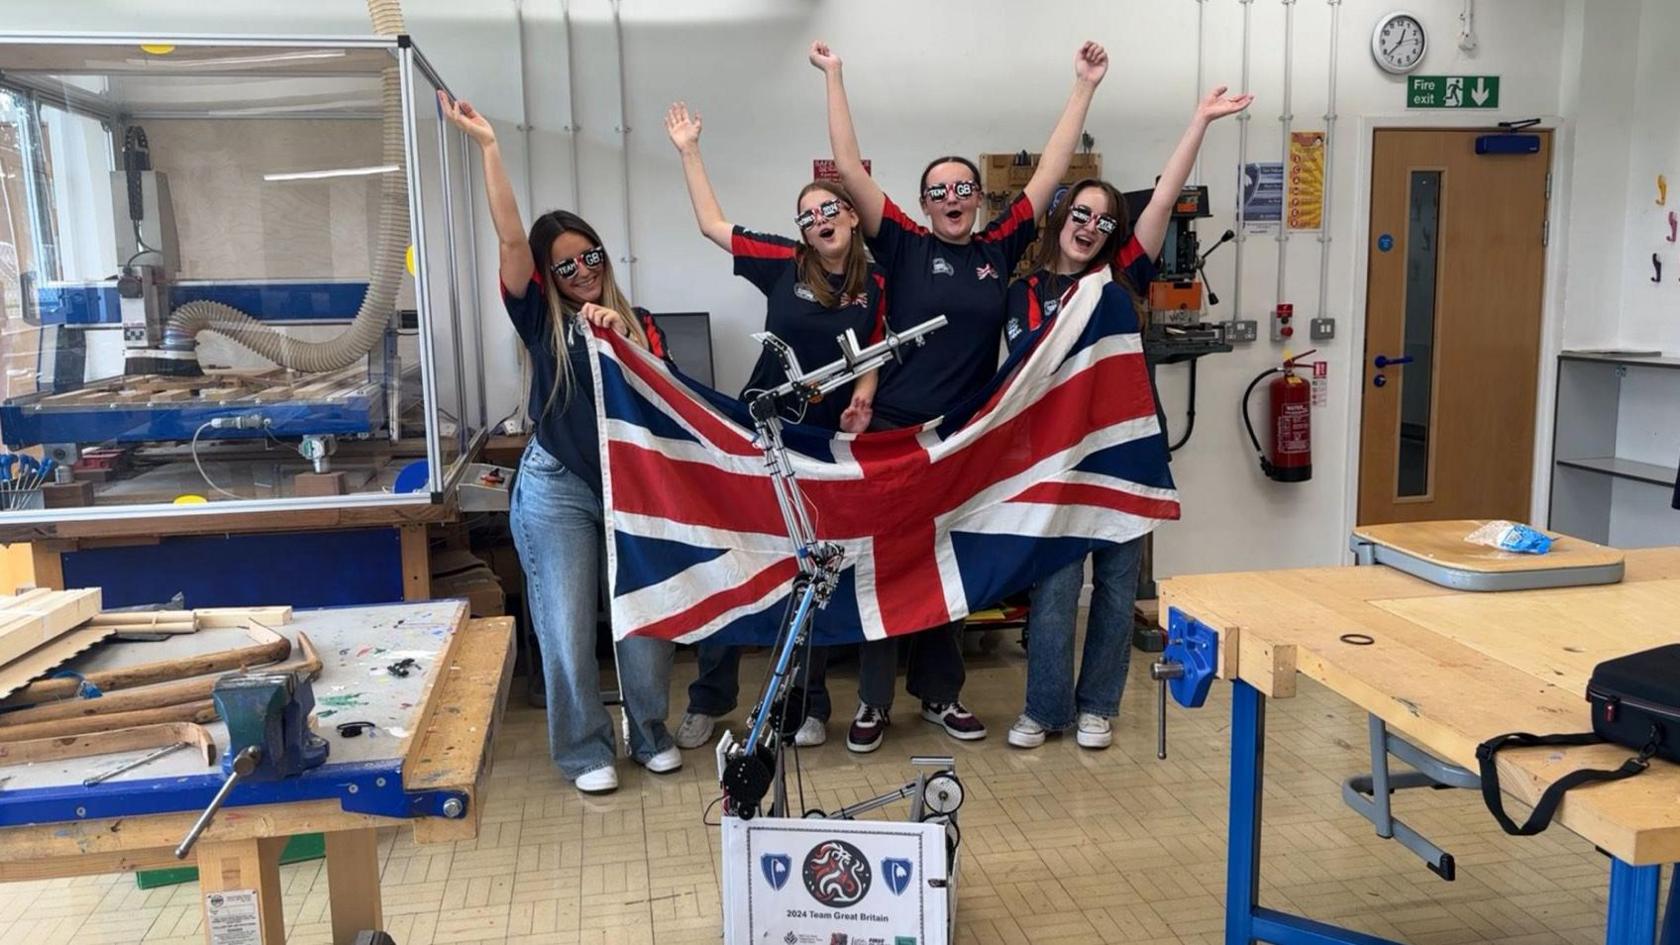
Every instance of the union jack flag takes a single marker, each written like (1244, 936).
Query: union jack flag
(1061, 450)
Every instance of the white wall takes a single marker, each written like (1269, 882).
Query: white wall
(969, 77)
(1650, 313)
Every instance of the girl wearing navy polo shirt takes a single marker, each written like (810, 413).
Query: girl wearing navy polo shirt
(953, 271)
(815, 291)
(552, 278)
(1089, 229)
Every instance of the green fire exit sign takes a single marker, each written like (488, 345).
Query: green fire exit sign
(1452, 91)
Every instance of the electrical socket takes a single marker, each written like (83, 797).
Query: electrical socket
(1323, 329)
(1243, 331)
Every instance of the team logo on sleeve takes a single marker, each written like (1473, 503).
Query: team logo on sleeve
(837, 874)
(942, 268)
(804, 291)
(777, 868)
(1012, 328)
(1051, 306)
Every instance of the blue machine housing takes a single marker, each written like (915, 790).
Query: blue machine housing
(96, 303)
(25, 422)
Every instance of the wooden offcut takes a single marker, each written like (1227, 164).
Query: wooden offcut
(200, 711)
(266, 647)
(15, 676)
(64, 748)
(36, 618)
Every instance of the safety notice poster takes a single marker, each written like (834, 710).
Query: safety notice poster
(820, 882)
(1261, 193)
(1304, 200)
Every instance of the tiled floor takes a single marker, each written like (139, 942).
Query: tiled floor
(1060, 845)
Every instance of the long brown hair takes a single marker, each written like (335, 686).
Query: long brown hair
(809, 264)
(544, 231)
(1049, 249)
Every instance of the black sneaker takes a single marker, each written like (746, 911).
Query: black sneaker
(957, 721)
(869, 727)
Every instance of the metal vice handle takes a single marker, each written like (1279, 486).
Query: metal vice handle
(1161, 671)
(1187, 667)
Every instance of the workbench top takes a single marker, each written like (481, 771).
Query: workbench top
(1449, 669)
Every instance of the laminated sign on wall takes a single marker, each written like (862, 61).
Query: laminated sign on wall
(824, 882)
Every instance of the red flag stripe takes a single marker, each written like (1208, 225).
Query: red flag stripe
(1084, 493)
(718, 433)
(755, 589)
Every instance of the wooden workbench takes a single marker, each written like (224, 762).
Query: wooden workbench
(1449, 669)
(446, 747)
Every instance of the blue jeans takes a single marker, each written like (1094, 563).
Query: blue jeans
(717, 689)
(1052, 698)
(557, 527)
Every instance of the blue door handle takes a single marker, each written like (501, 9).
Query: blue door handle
(1383, 360)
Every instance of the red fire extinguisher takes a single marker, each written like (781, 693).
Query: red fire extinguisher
(1290, 411)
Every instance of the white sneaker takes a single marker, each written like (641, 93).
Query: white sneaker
(812, 732)
(695, 730)
(665, 762)
(1026, 733)
(1094, 731)
(600, 781)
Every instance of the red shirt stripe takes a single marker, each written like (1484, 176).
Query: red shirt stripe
(743, 245)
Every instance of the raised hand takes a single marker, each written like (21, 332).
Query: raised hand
(1090, 63)
(856, 417)
(682, 126)
(823, 58)
(462, 115)
(603, 317)
(1217, 104)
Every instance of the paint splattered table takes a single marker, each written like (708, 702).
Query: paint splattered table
(427, 745)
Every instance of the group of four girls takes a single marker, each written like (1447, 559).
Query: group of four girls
(817, 287)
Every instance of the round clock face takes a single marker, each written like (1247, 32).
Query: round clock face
(1398, 43)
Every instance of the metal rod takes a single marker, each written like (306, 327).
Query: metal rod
(1324, 236)
(1242, 168)
(629, 256)
(1286, 120)
(243, 764)
(572, 126)
(525, 128)
(130, 766)
(445, 178)
(472, 280)
(422, 287)
(1161, 721)
(1201, 74)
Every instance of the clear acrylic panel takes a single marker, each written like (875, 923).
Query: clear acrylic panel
(205, 290)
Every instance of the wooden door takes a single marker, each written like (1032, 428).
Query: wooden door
(1457, 260)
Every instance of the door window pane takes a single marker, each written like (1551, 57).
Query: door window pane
(1415, 378)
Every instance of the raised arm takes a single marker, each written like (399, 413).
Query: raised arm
(867, 198)
(1151, 225)
(514, 247)
(1090, 64)
(684, 129)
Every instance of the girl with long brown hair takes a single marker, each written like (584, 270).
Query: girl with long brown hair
(816, 288)
(554, 278)
(1090, 228)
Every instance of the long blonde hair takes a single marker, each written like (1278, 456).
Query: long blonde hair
(547, 228)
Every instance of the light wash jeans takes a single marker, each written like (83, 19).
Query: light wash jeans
(557, 528)
(1052, 698)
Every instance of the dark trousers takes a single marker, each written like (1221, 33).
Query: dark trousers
(718, 687)
(935, 674)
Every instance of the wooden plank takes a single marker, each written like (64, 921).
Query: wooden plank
(443, 668)
(240, 865)
(209, 617)
(109, 742)
(28, 622)
(1444, 542)
(416, 563)
(266, 647)
(353, 882)
(92, 847)
(454, 752)
(1555, 636)
(201, 711)
(218, 522)
(16, 675)
(1269, 666)
(1446, 697)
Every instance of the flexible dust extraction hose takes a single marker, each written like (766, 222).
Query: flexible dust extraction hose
(391, 245)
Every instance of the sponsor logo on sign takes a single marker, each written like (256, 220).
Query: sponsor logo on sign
(904, 940)
(838, 938)
(777, 868)
(804, 291)
(837, 874)
(985, 272)
(942, 268)
(898, 874)
(791, 939)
